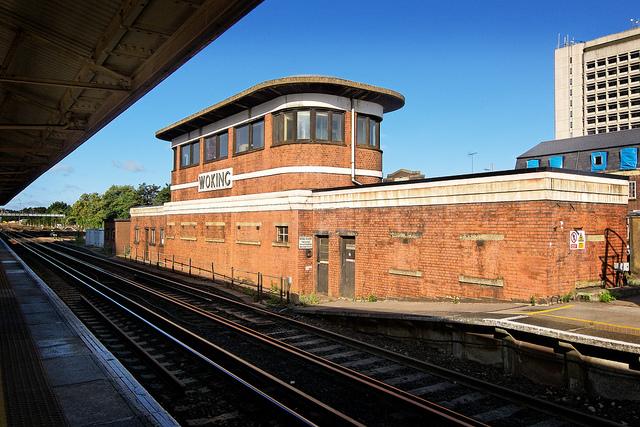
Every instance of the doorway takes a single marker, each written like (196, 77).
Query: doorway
(348, 267)
(322, 265)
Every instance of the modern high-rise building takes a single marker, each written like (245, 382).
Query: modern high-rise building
(597, 85)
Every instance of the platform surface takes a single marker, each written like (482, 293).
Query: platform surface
(91, 387)
(617, 321)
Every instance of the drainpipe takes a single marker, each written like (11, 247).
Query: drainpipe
(353, 145)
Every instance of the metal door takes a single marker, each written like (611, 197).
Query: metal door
(322, 265)
(348, 267)
(146, 244)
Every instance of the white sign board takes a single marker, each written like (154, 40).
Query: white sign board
(215, 180)
(577, 240)
(305, 242)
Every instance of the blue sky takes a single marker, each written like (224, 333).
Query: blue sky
(477, 77)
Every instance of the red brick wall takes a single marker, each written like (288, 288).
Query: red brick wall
(303, 154)
(531, 259)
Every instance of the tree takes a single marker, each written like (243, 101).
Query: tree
(87, 211)
(163, 196)
(147, 193)
(117, 201)
(59, 208)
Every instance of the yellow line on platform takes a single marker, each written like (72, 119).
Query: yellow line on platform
(594, 322)
(533, 313)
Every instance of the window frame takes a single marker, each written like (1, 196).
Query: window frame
(190, 146)
(532, 160)
(136, 234)
(282, 234)
(217, 147)
(162, 237)
(278, 125)
(633, 194)
(250, 148)
(152, 236)
(368, 119)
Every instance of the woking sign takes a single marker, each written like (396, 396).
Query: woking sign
(215, 180)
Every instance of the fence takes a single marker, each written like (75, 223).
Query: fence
(278, 286)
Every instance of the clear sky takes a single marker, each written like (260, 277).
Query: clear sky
(477, 77)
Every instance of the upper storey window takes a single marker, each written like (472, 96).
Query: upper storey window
(216, 147)
(249, 137)
(190, 154)
(368, 131)
(308, 126)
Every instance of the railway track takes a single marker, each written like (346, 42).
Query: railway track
(305, 387)
(482, 402)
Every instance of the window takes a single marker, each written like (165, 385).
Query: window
(216, 147)
(368, 131)
(282, 234)
(632, 190)
(190, 154)
(152, 236)
(303, 125)
(249, 137)
(161, 236)
(136, 235)
(309, 126)
(556, 161)
(175, 158)
(533, 163)
(628, 158)
(598, 160)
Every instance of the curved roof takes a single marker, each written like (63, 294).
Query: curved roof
(265, 91)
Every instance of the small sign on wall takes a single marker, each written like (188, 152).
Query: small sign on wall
(577, 240)
(305, 242)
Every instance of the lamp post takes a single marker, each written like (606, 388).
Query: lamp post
(471, 155)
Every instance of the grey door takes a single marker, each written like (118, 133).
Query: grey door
(322, 265)
(348, 267)
(146, 244)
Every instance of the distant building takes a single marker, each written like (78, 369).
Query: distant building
(597, 85)
(403, 175)
(116, 236)
(614, 153)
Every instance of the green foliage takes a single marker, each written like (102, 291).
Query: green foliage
(87, 211)
(311, 299)
(370, 298)
(117, 201)
(532, 300)
(59, 208)
(605, 296)
(567, 297)
(162, 196)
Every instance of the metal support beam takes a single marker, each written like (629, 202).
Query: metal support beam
(32, 126)
(61, 83)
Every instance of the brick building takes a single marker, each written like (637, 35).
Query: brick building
(613, 153)
(285, 179)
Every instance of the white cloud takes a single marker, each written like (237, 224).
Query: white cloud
(129, 166)
(65, 170)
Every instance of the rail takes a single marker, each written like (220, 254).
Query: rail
(196, 343)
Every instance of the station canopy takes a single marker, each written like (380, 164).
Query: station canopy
(67, 68)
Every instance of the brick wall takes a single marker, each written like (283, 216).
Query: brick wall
(510, 250)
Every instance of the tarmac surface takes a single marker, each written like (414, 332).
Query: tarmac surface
(91, 387)
(617, 321)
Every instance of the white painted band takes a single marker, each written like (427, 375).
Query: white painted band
(287, 170)
(509, 188)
